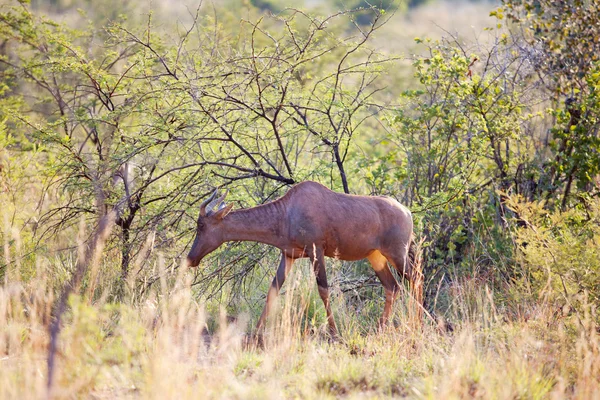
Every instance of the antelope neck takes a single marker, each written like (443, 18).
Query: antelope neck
(263, 224)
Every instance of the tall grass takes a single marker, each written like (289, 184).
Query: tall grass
(160, 348)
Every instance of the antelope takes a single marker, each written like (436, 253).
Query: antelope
(312, 221)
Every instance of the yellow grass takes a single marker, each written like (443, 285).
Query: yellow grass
(161, 349)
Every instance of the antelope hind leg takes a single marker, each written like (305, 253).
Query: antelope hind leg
(390, 284)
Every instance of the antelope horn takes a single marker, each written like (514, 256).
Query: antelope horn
(206, 203)
(220, 201)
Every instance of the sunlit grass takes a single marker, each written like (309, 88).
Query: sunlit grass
(161, 349)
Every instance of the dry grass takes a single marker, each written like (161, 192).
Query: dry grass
(160, 349)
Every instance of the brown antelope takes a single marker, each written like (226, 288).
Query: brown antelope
(312, 221)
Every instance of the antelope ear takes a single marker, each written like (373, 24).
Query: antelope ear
(223, 211)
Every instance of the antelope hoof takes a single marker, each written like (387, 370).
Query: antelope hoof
(258, 341)
(383, 324)
(334, 338)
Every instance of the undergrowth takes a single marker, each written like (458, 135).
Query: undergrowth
(161, 348)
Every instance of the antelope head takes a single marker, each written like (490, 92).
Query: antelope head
(209, 228)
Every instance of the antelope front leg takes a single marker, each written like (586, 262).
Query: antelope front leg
(318, 261)
(284, 267)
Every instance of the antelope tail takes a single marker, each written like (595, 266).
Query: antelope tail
(416, 276)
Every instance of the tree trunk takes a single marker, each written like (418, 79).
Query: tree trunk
(125, 261)
(340, 165)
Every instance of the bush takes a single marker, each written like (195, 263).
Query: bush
(560, 252)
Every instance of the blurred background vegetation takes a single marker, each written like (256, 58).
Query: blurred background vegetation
(482, 117)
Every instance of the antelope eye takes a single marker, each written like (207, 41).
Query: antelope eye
(200, 225)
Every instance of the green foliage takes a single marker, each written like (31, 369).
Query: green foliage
(266, 5)
(576, 137)
(367, 10)
(563, 48)
(564, 35)
(468, 138)
(561, 252)
(19, 166)
(459, 140)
